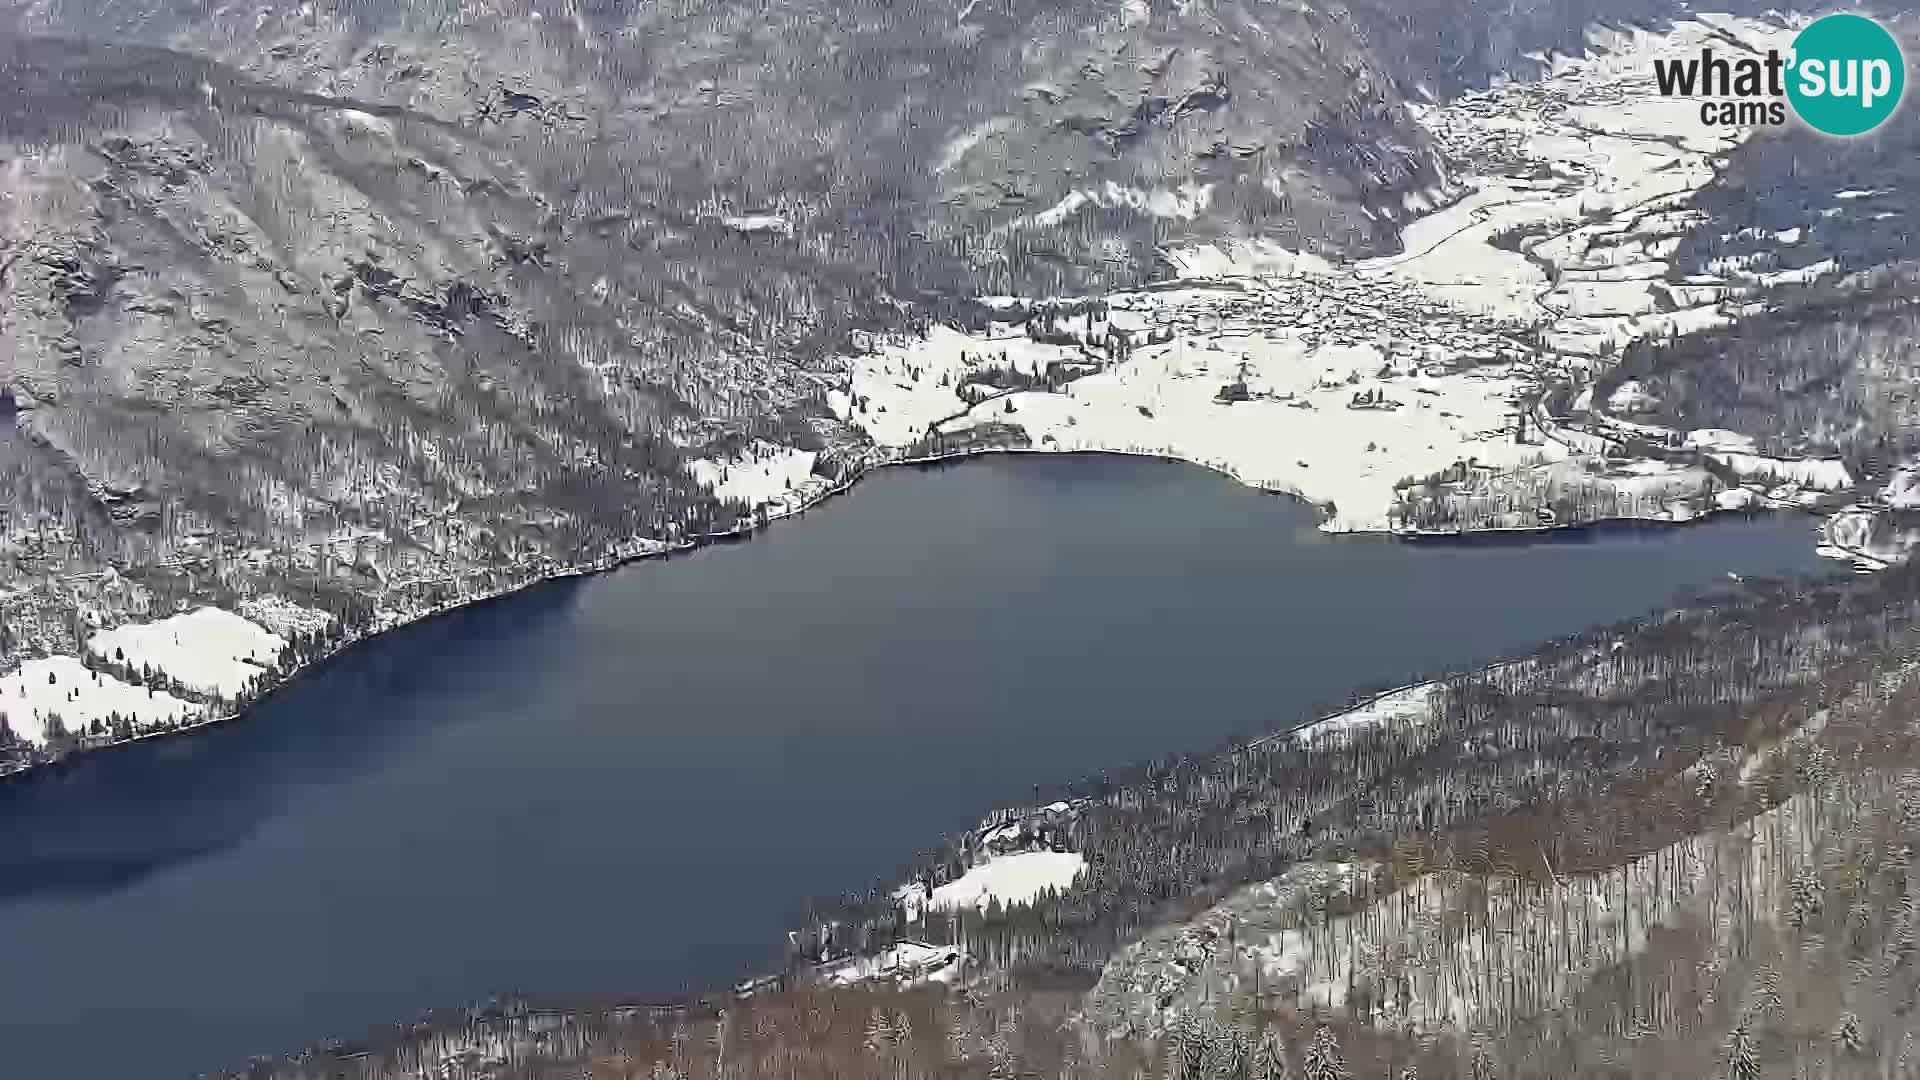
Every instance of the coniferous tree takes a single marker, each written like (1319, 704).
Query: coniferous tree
(1226, 1057)
(1743, 1055)
(1188, 1045)
(1270, 1060)
(1324, 1061)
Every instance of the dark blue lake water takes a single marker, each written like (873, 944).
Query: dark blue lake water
(631, 783)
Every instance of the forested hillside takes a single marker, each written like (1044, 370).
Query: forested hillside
(1674, 847)
(1826, 368)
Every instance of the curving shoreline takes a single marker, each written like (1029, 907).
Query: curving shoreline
(752, 524)
(399, 737)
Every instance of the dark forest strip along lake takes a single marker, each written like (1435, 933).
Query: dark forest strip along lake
(631, 783)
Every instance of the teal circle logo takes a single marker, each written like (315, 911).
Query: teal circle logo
(1847, 74)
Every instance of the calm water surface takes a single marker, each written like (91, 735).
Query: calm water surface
(631, 783)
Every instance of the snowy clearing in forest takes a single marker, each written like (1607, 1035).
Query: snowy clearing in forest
(1010, 879)
(766, 472)
(1406, 705)
(207, 650)
(62, 685)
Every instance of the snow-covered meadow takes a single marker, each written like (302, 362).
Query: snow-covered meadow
(1019, 878)
(1409, 704)
(1014, 878)
(206, 650)
(764, 474)
(62, 686)
(1299, 430)
(210, 655)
